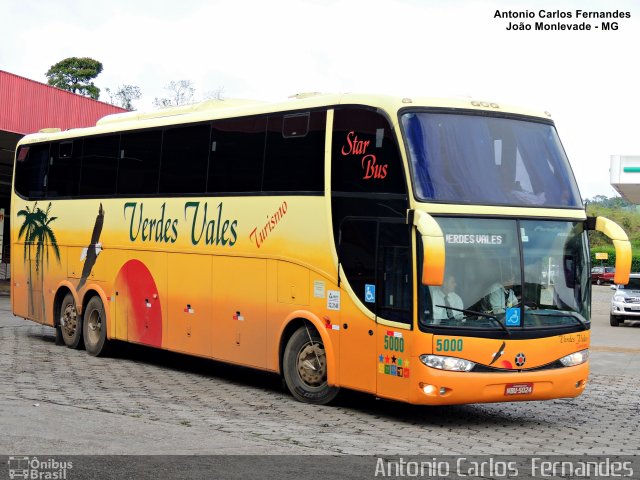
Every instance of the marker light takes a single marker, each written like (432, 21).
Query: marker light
(575, 358)
(451, 364)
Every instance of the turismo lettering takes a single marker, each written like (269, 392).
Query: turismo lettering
(369, 162)
(272, 221)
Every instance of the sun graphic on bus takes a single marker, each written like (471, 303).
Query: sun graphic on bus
(139, 291)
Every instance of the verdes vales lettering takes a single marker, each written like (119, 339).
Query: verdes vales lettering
(163, 229)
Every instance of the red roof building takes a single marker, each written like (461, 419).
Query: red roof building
(26, 107)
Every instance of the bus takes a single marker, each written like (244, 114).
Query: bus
(395, 246)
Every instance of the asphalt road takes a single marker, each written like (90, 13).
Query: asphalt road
(57, 401)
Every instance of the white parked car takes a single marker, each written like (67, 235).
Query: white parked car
(625, 304)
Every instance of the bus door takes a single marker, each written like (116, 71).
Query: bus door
(394, 309)
(375, 259)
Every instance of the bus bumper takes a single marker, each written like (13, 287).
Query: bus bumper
(437, 387)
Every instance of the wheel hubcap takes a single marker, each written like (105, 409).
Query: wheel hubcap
(69, 320)
(94, 325)
(312, 365)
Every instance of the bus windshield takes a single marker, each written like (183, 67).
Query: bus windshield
(487, 160)
(510, 273)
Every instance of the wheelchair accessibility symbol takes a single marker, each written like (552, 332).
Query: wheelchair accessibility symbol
(512, 318)
(369, 293)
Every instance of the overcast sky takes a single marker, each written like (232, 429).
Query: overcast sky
(268, 50)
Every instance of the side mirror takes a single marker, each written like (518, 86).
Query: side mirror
(433, 249)
(614, 286)
(621, 243)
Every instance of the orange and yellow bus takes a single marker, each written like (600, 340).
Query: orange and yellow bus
(422, 250)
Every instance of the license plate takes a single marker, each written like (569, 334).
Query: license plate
(635, 307)
(518, 389)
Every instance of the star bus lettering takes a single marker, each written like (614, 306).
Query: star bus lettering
(369, 162)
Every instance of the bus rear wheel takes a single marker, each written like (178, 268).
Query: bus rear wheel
(70, 323)
(305, 368)
(95, 328)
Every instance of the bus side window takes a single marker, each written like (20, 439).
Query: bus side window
(376, 259)
(364, 154)
(294, 158)
(358, 258)
(139, 162)
(63, 179)
(394, 272)
(31, 170)
(185, 158)
(99, 165)
(237, 155)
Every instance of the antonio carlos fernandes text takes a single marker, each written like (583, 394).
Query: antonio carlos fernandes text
(538, 468)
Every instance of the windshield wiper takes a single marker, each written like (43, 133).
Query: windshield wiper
(564, 313)
(480, 314)
(580, 321)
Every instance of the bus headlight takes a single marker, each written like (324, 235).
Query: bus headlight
(575, 358)
(451, 364)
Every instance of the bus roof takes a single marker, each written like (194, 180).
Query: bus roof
(229, 108)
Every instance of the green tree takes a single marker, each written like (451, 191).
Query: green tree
(75, 75)
(124, 96)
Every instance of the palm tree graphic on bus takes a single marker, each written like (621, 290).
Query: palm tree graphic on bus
(38, 234)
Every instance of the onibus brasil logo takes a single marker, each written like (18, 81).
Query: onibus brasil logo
(38, 469)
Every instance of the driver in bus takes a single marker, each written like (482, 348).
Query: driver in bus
(501, 296)
(445, 297)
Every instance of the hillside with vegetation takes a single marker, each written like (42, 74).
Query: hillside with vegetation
(624, 214)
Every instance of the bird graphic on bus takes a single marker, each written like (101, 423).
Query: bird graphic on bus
(90, 253)
(496, 356)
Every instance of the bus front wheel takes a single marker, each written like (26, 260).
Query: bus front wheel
(95, 328)
(305, 368)
(70, 323)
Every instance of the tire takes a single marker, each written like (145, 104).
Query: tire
(613, 320)
(94, 324)
(59, 339)
(70, 323)
(598, 282)
(305, 368)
